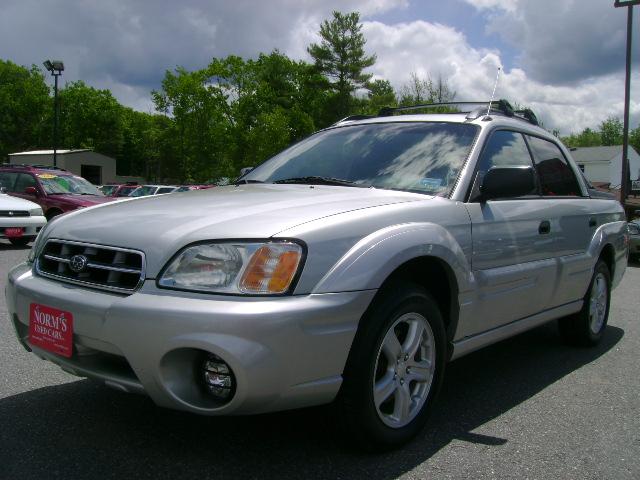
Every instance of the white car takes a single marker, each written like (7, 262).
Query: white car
(20, 220)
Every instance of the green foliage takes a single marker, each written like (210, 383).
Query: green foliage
(634, 138)
(586, 138)
(341, 57)
(381, 94)
(611, 131)
(90, 118)
(24, 105)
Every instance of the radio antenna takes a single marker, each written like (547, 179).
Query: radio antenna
(494, 91)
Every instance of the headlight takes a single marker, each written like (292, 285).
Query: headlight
(236, 268)
(36, 212)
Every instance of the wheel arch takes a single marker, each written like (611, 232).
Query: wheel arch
(429, 272)
(608, 255)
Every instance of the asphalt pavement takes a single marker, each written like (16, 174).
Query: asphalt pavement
(528, 407)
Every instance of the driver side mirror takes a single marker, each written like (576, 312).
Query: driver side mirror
(3, 189)
(507, 182)
(31, 191)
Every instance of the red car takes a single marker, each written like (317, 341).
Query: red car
(54, 189)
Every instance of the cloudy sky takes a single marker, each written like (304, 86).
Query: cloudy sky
(564, 58)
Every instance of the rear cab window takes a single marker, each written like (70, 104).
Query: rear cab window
(557, 178)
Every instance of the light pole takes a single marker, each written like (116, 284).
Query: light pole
(624, 184)
(56, 68)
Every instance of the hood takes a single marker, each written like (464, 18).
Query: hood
(7, 202)
(82, 200)
(161, 225)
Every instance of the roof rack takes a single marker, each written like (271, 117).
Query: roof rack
(356, 117)
(498, 106)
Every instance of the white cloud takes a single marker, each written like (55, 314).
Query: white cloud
(569, 69)
(561, 40)
(508, 5)
(433, 49)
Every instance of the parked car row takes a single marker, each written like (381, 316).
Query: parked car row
(136, 190)
(55, 191)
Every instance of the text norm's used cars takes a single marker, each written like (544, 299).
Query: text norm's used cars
(350, 268)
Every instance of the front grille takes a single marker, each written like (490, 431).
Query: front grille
(97, 266)
(14, 213)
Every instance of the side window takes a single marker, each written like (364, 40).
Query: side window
(25, 180)
(503, 149)
(556, 176)
(8, 180)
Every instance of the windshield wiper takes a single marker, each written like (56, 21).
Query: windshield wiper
(316, 180)
(243, 181)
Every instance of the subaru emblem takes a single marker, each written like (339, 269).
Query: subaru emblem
(78, 263)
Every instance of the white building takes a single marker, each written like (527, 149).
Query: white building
(604, 164)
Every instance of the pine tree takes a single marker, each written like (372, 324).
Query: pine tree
(341, 56)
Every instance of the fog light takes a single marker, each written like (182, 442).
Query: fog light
(218, 378)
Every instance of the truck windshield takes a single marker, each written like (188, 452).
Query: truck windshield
(63, 184)
(422, 157)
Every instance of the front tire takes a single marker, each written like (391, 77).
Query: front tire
(586, 328)
(395, 368)
(20, 242)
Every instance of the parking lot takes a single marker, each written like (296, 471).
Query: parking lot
(528, 407)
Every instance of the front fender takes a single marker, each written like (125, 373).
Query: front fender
(370, 261)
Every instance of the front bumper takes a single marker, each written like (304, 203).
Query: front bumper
(31, 225)
(285, 352)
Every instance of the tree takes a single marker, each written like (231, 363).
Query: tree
(586, 138)
(25, 107)
(341, 57)
(416, 91)
(90, 118)
(381, 94)
(611, 131)
(634, 139)
(425, 90)
(200, 124)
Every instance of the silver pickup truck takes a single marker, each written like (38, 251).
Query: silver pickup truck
(350, 268)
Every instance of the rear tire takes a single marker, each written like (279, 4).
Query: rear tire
(586, 328)
(394, 370)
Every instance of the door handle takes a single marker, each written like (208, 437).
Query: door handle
(544, 228)
(593, 222)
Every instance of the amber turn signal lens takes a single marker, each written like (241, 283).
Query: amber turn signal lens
(271, 268)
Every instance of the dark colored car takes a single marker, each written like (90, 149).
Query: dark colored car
(54, 189)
